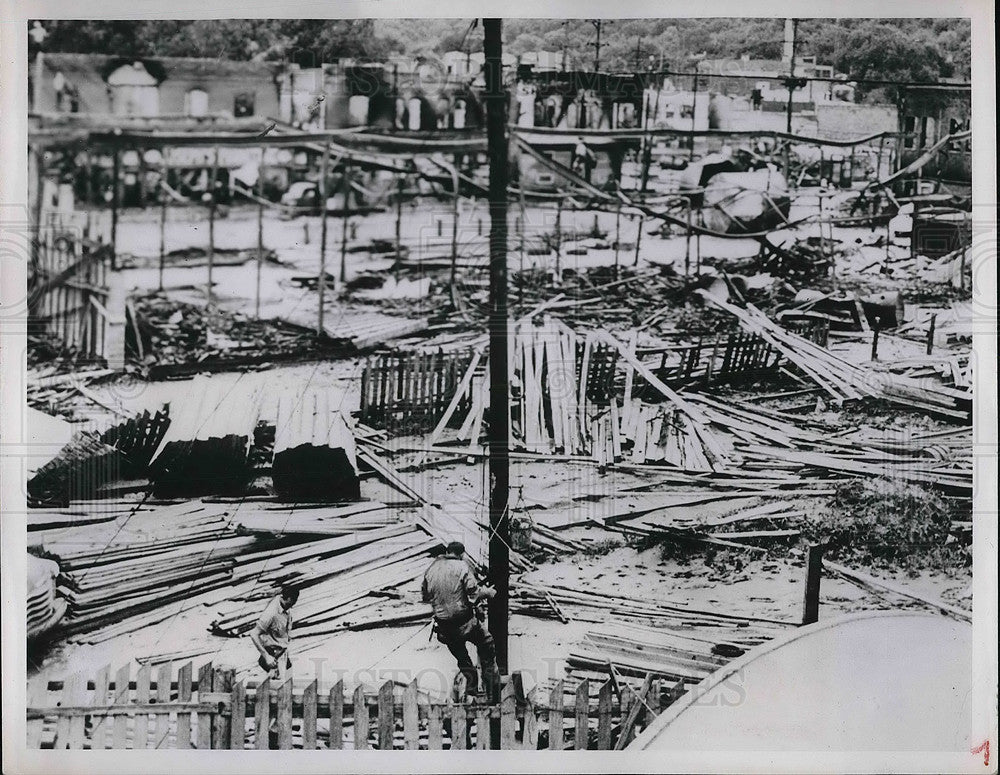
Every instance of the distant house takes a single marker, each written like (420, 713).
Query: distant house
(744, 76)
(106, 85)
(670, 108)
(541, 61)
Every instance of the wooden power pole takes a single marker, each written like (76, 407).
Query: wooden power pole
(499, 415)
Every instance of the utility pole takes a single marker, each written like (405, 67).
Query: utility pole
(794, 26)
(638, 52)
(597, 44)
(694, 107)
(499, 411)
(791, 75)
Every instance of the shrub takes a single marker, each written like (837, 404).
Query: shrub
(887, 522)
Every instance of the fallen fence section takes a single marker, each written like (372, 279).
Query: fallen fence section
(69, 295)
(211, 710)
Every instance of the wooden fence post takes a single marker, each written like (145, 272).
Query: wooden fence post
(99, 733)
(483, 735)
(458, 725)
(238, 717)
(434, 727)
(604, 716)
(161, 729)
(360, 719)
(336, 741)
(556, 717)
(814, 572)
(653, 702)
(221, 682)
(119, 733)
(284, 716)
(204, 719)
(636, 707)
(582, 715)
(309, 698)
(385, 716)
(411, 717)
(262, 716)
(183, 739)
(140, 735)
(77, 724)
(508, 717)
(529, 733)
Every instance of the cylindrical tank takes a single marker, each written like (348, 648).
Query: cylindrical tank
(338, 102)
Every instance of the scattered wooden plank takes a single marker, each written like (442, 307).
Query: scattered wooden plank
(891, 586)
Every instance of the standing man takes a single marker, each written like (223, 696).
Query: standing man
(454, 595)
(583, 160)
(272, 634)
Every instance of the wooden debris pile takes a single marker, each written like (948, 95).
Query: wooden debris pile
(175, 335)
(92, 459)
(846, 381)
(614, 298)
(766, 441)
(52, 388)
(563, 402)
(362, 327)
(805, 263)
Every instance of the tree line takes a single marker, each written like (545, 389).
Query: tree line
(877, 49)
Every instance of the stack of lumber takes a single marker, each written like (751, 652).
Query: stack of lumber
(314, 519)
(83, 512)
(206, 448)
(635, 651)
(132, 564)
(336, 576)
(842, 379)
(954, 370)
(134, 571)
(44, 608)
(314, 450)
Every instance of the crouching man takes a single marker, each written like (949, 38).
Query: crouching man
(454, 595)
(273, 632)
